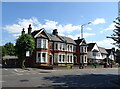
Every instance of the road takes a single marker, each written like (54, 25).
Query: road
(99, 77)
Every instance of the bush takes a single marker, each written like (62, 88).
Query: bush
(69, 67)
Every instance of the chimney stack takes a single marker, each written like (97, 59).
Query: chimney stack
(29, 29)
(55, 32)
(23, 31)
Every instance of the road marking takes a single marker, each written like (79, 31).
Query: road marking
(18, 70)
(5, 69)
(15, 70)
(18, 74)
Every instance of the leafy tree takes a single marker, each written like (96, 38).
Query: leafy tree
(24, 43)
(10, 49)
(4, 51)
(116, 35)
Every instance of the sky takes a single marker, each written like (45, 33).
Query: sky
(67, 17)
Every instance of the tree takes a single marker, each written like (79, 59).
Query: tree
(116, 35)
(4, 51)
(24, 43)
(10, 49)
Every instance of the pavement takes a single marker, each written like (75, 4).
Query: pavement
(39, 78)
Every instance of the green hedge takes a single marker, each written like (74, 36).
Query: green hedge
(69, 67)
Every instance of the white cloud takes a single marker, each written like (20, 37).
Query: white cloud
(88, 28)
(101, 31)
(110, 27)
(107, 43)
(22, 23)
(85, 35)
(98, 21)
(16, 35)
(36, 25)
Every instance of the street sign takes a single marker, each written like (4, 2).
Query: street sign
(27, 53)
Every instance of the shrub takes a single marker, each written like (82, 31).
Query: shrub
(69, 67)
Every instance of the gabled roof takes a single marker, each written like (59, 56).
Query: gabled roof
(53, 37)
(79, 41)
(95, 50)
(68, 40)
(35, 32)
(103, 50)
(109, 51)
(90, 46)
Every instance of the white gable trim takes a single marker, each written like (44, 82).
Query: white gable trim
(82, 42)
(40, 32)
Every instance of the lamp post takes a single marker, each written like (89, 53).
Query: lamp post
(82, 29)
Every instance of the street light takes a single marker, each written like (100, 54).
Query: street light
(82, 28)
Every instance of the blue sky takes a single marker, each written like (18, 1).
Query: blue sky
(67, 17)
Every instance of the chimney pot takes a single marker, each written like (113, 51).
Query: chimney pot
(23, 31)
(29, 29)
(55, 32)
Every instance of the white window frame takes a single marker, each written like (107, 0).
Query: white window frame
(81, 58)
(56, 46)
(51, 45)
(41, 46)
(38, 39)
(74, 49)
(41, 61)
(69, 56)
(85, 59)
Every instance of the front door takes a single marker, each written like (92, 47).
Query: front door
(75, 60)
(51, 62)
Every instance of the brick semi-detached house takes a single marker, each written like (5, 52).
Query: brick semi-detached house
(53, 49)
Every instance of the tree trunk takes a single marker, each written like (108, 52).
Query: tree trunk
(23, 64)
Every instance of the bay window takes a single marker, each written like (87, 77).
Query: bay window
(51, 45)
(74, 49)
(63, 58)
(39, 42)
(70, 58)
(83, 49)
(59, 58)
(42, 43)
(41, 57)
(56, 46)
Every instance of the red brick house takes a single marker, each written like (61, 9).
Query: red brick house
(53, 49)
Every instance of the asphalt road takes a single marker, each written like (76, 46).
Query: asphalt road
(100, 77)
